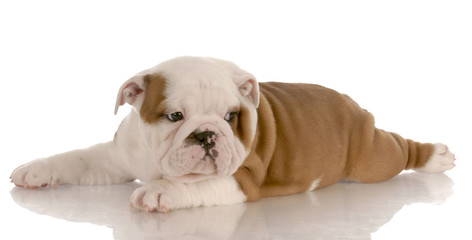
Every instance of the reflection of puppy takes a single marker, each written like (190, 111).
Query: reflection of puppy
(357, 209)
(107, 205)
(202, 133)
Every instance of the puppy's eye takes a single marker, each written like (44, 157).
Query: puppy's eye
(175, 117)
(230, 116)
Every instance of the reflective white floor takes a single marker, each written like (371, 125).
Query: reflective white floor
(408, 62)
(410, 206)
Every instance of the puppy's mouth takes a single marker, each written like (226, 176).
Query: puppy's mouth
(202, 155)
(210, 154)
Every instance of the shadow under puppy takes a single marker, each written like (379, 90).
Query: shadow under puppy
(204, 132)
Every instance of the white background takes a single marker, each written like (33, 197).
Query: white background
(62, 62)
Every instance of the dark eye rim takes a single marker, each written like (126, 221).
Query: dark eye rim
(175, 116)
(229, 117)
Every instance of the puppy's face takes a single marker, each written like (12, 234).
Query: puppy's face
(198, 116)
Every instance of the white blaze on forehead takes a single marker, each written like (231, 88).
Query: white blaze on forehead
(199, 72)
(199, 85)
(184, 67)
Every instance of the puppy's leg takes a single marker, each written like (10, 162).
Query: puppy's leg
(93, 165)
(163, 195)
(376, 155)
(441, 160)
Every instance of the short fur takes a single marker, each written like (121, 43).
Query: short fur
(280, 139)
(311, 132)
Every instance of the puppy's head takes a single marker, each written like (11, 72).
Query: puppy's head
(197, 116)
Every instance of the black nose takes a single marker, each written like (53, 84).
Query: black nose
(205, 138)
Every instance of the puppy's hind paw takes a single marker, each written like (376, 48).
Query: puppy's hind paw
(441, 160)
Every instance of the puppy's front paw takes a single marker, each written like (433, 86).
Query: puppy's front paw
(441, 160)
(160, 196)
(34, 174)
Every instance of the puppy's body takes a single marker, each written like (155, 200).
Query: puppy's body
(310, 137)
(204, 132)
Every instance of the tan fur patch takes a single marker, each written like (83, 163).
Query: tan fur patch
(241, 127)
(307, 132)
(251, 174)
(153, 106)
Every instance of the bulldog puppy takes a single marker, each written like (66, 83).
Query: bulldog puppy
(204, 132)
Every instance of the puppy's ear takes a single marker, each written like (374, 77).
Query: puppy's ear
(131, 92)
(250, 88)
(245, 81)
